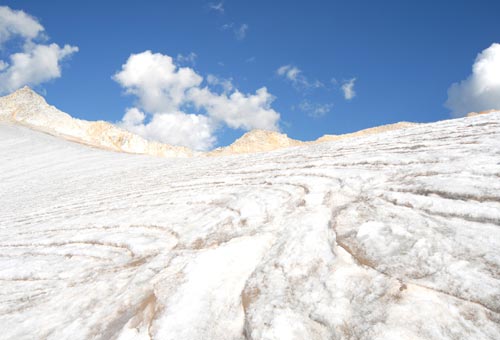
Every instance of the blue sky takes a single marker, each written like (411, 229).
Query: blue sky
(403, 55)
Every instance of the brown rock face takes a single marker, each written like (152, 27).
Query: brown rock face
(256, 141)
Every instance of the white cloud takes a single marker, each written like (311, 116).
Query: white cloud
(296, 77)
(3, 65)
(238, 110)
(348, 89)
(35, 63)
(481, 90)
(241, 32)
(193, 131)
(314, 109)
(225, 84)
(157, 82)
(289, 71)
(19, 23)
(187, 59)
(164, 90)
(218, 7)
(133, 117)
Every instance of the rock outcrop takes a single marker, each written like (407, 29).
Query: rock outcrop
(256, 141)
(27, 108)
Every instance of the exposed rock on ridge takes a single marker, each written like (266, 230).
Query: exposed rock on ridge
(27, 108)
(30, 109)
(256, 141)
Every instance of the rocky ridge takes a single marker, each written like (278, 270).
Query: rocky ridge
(27, 108)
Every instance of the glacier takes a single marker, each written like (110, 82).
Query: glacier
(393, 235)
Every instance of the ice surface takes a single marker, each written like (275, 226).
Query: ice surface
(387, 236)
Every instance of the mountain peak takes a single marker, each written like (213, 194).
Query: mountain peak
(257, 141)
(27, 93)
(28, 108)
(26, 89)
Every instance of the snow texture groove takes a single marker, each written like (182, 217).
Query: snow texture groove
(387, 236)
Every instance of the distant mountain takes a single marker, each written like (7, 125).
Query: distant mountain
(27, 108)
(256, 141)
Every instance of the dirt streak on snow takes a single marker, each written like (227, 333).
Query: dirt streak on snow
(388, 236)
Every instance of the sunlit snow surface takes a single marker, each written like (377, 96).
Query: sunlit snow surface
(389, 236)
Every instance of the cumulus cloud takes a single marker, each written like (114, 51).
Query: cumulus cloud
(348, 89)
(157, 82)
(294, 75)
(238, 110)
(35, 63)
(481, 90)
(18, 23)
(191, 130)
(164, 91)
(225, 84)
(315, 110)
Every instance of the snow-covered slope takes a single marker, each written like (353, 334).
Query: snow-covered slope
(370, 131)
(472, 114)
(387, 236)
